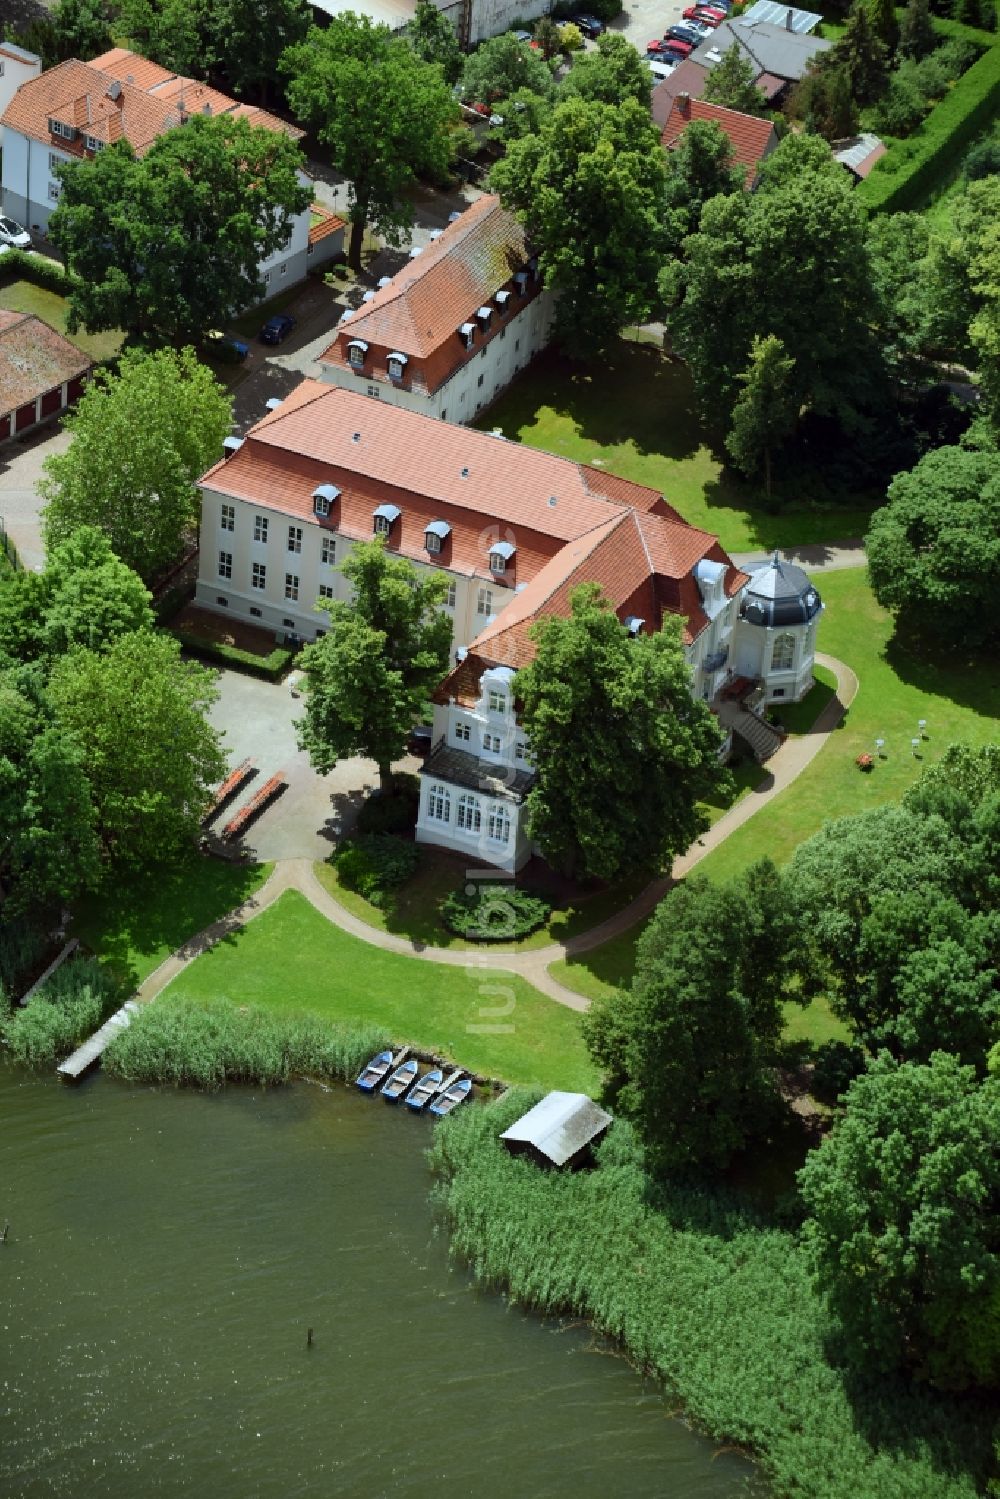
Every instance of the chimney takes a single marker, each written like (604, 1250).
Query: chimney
(788, 21)
(684, 104)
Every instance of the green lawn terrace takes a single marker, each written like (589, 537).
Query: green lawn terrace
(25, 296)
(958, 696)
(585, 413)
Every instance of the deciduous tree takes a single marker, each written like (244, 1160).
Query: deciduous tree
(81, 28)
(699, 167)
(732, 83)
(765, 413)
(934, 548)
(610, 74)
(625, 795)
(501, 66)
(369, 676)
(169, 245)
(384, 115)
(181, 35)
(589, 188)
(252, 34)
(916, 33)
(138, 713)
(140, 439)
(903, 1202)
(824, 100)
(433, 39)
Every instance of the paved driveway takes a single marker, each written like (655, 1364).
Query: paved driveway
(258, 723)
(643, 20)
(20, 503)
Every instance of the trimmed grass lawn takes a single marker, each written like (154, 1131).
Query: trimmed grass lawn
(25, 296)
(136, 924)
(584, 413)
(291, 958)
(959, 697)
(415, 913)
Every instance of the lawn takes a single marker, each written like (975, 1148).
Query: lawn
(138, 922)
(415, 911)
(959, 697)
(491, 1022)
(24, 296)
(584, 414)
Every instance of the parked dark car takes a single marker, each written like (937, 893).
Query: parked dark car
(226, 350)
(687, 34)
(419, 742)
(589, 25)
(277, 328)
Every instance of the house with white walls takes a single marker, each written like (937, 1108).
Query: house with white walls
(447, 333)
(72, 111)
(514, 530)
(17, 66)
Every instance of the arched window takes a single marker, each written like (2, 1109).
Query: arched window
(439, 804)
(783, 653)
(499, 824)
(470, 815)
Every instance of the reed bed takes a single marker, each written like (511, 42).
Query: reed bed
(67, 1009)
(205, 1043)
(713, 1300)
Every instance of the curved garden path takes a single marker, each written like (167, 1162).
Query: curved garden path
(298, 874)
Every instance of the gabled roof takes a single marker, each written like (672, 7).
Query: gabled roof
(778, 14)
(560, 1126)
(772, 49)
(859, 153)
(688, 78)
(421, 308)
(119, 95)
(751, 138)
(34, 358)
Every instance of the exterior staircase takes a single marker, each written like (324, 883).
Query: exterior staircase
(762, 739)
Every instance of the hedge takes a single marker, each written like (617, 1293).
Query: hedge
(912, 168)
(25, 265)
(273, 666)
(494, 912)
(376, 864)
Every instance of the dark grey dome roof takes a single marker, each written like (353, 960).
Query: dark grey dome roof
(779, 593)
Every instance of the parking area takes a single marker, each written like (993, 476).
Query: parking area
(642, 21)
(258, 722)
(20, 503)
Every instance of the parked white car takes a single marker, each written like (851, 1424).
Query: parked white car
(12, 236)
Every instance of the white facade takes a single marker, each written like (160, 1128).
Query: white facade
(17, 66)
(474, 384)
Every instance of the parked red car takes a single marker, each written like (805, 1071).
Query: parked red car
(672, 47)
(709, 15)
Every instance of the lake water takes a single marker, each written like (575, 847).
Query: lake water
(167, 1253)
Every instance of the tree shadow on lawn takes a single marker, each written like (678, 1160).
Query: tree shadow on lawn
(969, 679)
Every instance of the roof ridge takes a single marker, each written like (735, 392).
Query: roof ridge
(642, 538)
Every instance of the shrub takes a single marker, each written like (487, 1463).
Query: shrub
(376, 864)
(491, 912)
(25, 265)
(392, 812)
(837, 1064)
(67, 1009)
(273, 666)
(904, 104)
(983, 159)
(911, 169)
(935, 72)
(206, 1043)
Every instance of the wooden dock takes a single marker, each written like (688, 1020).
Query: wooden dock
(89, 1054)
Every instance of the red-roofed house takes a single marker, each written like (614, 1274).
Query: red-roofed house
(41, 372)
(752, 139)
(514, 530)
(72, 111)
(449, 331)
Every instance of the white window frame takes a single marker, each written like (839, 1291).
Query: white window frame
(328, 551)
(492, 744)
(439, 803)
(55, 191)
(484, 603)
(260, 529)
(258, 576)
(463, 733)
(432, 542)
(783, 652)
(227, 518)
(451, 597)
(295, 538)
(469, 818)
(226, 565)
(326, 590)
(292, 587)
(383, 525)
(497, 700)
(499, 824)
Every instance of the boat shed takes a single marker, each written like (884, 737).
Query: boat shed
(560, 1131)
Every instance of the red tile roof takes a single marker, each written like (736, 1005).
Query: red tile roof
(422, 308)
(750, 138)
(148, 100)
(325, 223)
(34, 358)
(687, 78)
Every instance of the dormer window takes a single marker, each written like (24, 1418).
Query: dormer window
(502, 300)
(634, 624)
(501, 553)
(397, 366)
(435, 535)
(323, 498)
(467, 333)
(521, 282)
(385, 518)
(66, 132)
(357, 352)
(92, 143)
(484, 317)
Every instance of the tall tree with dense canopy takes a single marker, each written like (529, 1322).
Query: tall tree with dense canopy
(138, 713)
(764, 414)
(49, 851)
(699, 167)
(501, 66)
(732, 84)
(384, 115)
(169, 245)
(589, 188)
(863, 55)
(917, 36)
(904, 1221)
(787, 261)
(181, 35)
(611, 73)
(140, 440)
(81, 28)
(369, 676)
(623, 793)
(882, 14)
(433, 39)
(684, 1051)
(252, 34)
(823, 99)
(934, 548)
